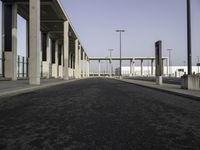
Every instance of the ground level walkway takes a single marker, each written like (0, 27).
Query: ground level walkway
(169, 88)
(10, 88)
(99, 114)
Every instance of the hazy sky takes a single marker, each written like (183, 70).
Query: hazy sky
(145, 22)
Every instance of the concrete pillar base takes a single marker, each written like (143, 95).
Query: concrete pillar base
(46, 69)
(34, 81)
(10, 65)
(159, 80)
(60, 71)
(54, 70)
(190, 82)
(65, 73)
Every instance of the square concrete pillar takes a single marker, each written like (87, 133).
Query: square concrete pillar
(131, 67)
(134, 68)
(159, 80)
(79, 63)
(61, 62)
(76, 59)
(66, 50)
(190, 82)
(83, 65)
(55, 65)
(34, 37)
(9, 40)
(99, 72)
(152, 70)
(88, 68)
(46, 58)
(141, 67)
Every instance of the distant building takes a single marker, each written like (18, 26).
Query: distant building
(175, 71)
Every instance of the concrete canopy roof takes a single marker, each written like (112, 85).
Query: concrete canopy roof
(52, 17)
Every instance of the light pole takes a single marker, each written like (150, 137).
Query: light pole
(110, 61)
(170, 63)
(189, 47)
(120, 47)
(198, 63)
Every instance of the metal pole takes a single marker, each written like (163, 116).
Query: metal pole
(120, 74)
(18, 62)
(170, 62)
(189, 47)
(120, 47)
(198, 63)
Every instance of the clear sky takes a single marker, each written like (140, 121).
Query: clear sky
(145, 22)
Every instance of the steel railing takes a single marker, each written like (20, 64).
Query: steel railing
(22, 67)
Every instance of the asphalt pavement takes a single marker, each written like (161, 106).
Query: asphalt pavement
(99, 114)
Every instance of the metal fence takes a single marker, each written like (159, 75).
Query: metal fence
(22, 67)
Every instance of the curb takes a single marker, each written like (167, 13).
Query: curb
(163, 90)
(34, 88)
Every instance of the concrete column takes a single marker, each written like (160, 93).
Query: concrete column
(76, 59)
(110, 68)
(152, 61)
(9, 40)
(55, 65)
(141, 67)
(34, 37)
(167, 63)
(163, 67)
(79, 62)
(46, 59)
(99, 74)
(88, 67)
(61, 61)
(66, 50)
(27, 39)
(83, 64)
(131, 67)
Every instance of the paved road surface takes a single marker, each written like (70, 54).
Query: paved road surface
(99, 114)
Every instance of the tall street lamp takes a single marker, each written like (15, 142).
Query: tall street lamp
(170, 63)
(198, 64)
(189, 47)
(110, 61)
(120, 47)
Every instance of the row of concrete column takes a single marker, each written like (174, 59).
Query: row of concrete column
(132, 67)
(56, 58)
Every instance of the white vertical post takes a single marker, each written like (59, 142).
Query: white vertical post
(76, 59)
(152, 61)
(141, 67)
(66, 50)
(34, 30)
(83, 65)
(131, 67)
(99, 73)
(79, 63)
(167, 65)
